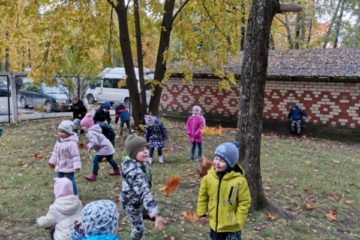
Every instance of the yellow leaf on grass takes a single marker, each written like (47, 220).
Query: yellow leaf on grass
(170, 185)
(331, 214)
(308, 206)
(189, 215)
(270, 216)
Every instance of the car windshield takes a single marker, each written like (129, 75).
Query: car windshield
(54, 90)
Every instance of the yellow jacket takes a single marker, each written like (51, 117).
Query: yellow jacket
(226, 200)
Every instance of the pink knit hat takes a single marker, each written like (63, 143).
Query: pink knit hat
(87, 121)
(63, 187)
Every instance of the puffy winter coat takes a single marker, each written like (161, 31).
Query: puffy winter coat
(296, 114)
(62, 214)
(98, 141)
(194, 125)
(156, 134)
(100, 115)
(66, 155)
(226, 200)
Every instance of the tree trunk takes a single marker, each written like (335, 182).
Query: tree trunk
(289, 37)
(310, 32)
(242, 31)
(160, 67)
(252, 91)
(326, 40)
(7, 54)
(131, 81)
(140, 58)
(338, 24)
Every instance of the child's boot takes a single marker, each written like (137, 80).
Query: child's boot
(150, 160)
(91, 177)
(161, 159)
(115, 172)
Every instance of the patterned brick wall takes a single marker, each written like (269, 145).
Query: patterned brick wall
(327, 103)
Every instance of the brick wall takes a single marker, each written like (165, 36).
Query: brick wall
(327, 103)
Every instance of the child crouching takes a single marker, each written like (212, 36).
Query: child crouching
(136, 197)
(224, 194)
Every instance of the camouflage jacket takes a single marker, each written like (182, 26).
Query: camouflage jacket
(135, 188)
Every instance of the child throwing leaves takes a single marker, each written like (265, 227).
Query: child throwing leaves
(65, 157)
(122, 113)
(136, 197)
(224, 195)
(102, 145)
(194, 125)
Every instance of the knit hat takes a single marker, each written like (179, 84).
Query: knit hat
(133, 144)
(149, 119)
(228, 152)
(196, 109)
(87, 121)
(99, 217)
(67, 126)
(63, 187)
(106, 105)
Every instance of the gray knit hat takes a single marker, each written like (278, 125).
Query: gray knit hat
(133, 144)
(228, 152)
(67, 126)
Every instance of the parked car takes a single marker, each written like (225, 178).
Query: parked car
(4, 91)
(111, 86)
(50, 98)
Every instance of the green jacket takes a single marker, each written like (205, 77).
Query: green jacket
(226, 200)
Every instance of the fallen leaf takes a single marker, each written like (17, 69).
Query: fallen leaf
(271, 217)
(205, 165)
(170, 185)
(308, 206)
(349, 202)
(331, 214)
(189, 215)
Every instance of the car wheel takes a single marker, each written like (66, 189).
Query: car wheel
(22, 102)
(48, 107)
(90, 98)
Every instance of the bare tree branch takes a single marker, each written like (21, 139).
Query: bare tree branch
(111, 3)
(180, 8)
(290, 8)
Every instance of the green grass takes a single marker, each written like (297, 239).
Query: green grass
(294, 171)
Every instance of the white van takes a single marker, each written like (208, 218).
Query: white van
(110, 86)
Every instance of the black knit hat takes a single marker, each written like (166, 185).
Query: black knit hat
(133, 144)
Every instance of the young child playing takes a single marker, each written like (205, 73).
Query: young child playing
(65, 210)
(136, 197)
(122, 113)
(103, 113)
(102, 145)
(155, 135)
(194, 125)
(99, 222)
(65, 157)
(224, 194)
(296, 115)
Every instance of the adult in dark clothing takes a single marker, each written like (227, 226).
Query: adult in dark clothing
(103, 113)
(108, 132)
(78, 108)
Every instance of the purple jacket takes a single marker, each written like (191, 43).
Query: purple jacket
(66, 155)
(194, 125)
(99, 142)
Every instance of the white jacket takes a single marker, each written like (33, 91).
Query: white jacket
(62, 214)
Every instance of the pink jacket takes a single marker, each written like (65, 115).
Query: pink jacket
(99, 142)
(66, 155)
(194, 125)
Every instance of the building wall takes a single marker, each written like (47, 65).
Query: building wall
(327, 103)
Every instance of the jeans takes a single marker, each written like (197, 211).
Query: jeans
(193, 147)
(98, 158)
(122, 127)
(151, 152)
(71, 177)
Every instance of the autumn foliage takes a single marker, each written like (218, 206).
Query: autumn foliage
(170, 186)
(189, 215)
(205, 165)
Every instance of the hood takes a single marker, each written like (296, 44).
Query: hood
(67, 205)
(95, 128)
(72, 138)
(235, 172)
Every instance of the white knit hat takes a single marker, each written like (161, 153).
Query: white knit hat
(67, 126)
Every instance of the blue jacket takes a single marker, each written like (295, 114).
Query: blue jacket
(109, 236)
(123, 114)
(296, 114)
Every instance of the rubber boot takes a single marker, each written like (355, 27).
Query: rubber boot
(161, 159)
(150, 160)
(115, 172)
(91, 177)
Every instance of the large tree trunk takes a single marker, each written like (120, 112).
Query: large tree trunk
(326, 40)
(338, 24)
(131, 81)
(252, 91)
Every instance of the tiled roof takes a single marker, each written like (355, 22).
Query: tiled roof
(309, 63)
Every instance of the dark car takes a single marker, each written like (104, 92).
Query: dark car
(4, 91)
(49, 98)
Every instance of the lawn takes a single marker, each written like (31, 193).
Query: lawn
(315, 180)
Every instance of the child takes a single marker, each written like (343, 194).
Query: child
(78, 108)
(102, 145)
(99, 221)
(136, 197)
(108, 132)
(65, 157)
(296, 114)
(63, 212)
(123, 113)
(155, 135)
(224, 194)
(194, 125)
(103, 113)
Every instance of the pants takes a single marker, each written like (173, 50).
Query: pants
(137, 225)
(98, 158)
(193, 147)
(151, 152)
(71, 177)
(296, 126)
(122, 127)
(225, 236)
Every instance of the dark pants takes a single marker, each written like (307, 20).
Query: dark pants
(98, 158)
(225, 235)
(122, 127)
(151, 152)
(193, 147)
(71, 177)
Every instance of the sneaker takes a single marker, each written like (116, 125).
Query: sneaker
(198, 159)
(190, 158)
(161, 159)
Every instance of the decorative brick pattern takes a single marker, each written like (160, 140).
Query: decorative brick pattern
(328, 103)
